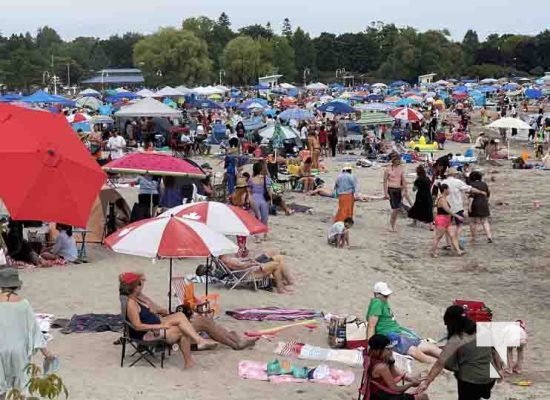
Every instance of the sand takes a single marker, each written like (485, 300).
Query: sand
(510, 275)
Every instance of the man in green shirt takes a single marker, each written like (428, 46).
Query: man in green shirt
(381, 321)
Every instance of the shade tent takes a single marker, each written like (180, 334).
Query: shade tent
(509, 123)
(379, 85)
(184, 90)
(317, 86)
(148, 107)
(488, 81)
(145, 93)
(287, 86)
(89, 102)
(168, 91)
(375, 107)
(298, 114)
(42, 97)
(533, 93)
(207, 103)
(100, 210)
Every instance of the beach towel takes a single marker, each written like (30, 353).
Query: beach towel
(86, 323)
(23, 265)
(353, 358)
(258, 371)
(273, 314)
(300, 208)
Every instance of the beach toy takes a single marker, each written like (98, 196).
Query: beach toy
(422, 145)
(310, 324)
(524, 383)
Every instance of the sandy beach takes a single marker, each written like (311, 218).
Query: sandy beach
(510, 276)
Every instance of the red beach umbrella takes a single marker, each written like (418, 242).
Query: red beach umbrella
(47, 173)
(406, 114)
(153, 163)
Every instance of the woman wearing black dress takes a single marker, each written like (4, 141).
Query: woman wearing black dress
(422, 210)
(479, 207)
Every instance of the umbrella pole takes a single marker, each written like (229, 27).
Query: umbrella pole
(170, 289)
(208, 262)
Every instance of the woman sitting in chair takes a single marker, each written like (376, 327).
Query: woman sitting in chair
(306, 178)
(269, 264)
(131, 282)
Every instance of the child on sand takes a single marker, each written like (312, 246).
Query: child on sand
(338, 234)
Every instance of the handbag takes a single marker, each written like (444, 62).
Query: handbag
(267, 195)
(356, 333)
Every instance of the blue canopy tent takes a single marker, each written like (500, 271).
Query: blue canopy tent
(9, 97)
(106, 109)
(533, 93)
(460, 89)
(230, 104)
(170, 103)
(42, 97)
(407, 101)
(261, 86)
(244, 105)
(487, 89)
(298, 114)
(336, 107)
(510, 86)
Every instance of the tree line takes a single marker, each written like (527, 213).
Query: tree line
(204, 51)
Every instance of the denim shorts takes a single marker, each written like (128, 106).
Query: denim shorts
(403, 342)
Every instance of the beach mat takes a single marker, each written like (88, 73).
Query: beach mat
(258, 371)
(273, 314)
(87, 323)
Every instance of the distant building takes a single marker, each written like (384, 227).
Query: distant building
(116, 76)
(271, 81)
(427, 79)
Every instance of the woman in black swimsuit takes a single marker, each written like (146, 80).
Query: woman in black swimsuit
(175, 328)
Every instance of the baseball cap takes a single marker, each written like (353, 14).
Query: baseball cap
(129, 277)
(379, 342)
(382, 288)
(347, 167)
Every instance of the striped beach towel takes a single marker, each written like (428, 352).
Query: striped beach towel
(273, 314)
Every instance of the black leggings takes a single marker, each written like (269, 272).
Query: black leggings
(474, 391)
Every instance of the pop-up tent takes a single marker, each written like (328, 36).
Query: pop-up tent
(148, 107)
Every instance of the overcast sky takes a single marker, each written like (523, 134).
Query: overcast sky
(72, 18)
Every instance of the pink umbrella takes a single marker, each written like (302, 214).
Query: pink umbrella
(171, 238)
(153, 163)
(406, 114)
(220, 217)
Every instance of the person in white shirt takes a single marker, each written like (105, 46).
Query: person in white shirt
(303, 135)
(338, 234)
(116, 144)
(456, 201)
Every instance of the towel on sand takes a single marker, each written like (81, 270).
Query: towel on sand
(94, 323)
(258, 371)
(273, 314)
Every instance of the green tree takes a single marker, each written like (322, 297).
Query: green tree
(470, 46)
(256, 31)
(327, 49)
(283, 57)
(304, 51)
(287, 29)
(223, 21)
(179, 55)
(120, 49)
(242, 60)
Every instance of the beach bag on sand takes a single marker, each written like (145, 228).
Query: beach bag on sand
(337, 332)
(356, 333)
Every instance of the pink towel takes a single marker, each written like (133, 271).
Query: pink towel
(258, 371)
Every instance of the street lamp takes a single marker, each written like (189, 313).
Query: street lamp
(103, 75)
(222, 73)
(340, 72)
(44, 75)
(307, 72)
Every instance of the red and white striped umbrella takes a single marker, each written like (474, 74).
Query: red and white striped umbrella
(220, 217)
(406, 114)
(172, 237)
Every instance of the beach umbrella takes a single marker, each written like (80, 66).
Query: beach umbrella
(408, 101)
(170, 237)
(375, 107)
(244, 105)
(153, 163)
(230, 104)
(277, 139)
(406, 114)
(533, 93)
(91, 103)
(255, 106)
(89, 92)
(220, 217)
(299, 114)
(336, 107)
(78, 117)
(209, 104)
(53, 177)
(379, 85)
(286, 131)
(509, 123)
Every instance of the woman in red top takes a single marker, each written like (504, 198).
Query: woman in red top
(323, 140)
(383, 374)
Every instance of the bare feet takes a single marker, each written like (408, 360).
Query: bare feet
(517, 370)
(247, 343)
(206, 345)
(189, 364)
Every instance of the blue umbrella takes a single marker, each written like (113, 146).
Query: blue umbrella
(261, 86)
(375, 97)
(406, 102)
(336, 107)
(533, 93)
(460, 89)
(299, 114)
(244, 105)
(399, 83)
(207, 104)
(230, 104)
(487, 89)
(270, 112)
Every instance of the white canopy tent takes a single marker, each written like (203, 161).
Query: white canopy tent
(317, 86)
(148, 107)
(287, 86)
(89, 92)
(145, 93)
(168, 91)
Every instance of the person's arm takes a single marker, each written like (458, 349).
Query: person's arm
(234, 264)
(56, 248)
(470, 189)
(386, 175)
(154, 306)
(445, 205)
(132, 313)
(389, 382)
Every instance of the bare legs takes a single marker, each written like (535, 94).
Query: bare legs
(393, 220)
(484, 222)
(220, 334)
(439, 233)
(517, 366)
(276, 268)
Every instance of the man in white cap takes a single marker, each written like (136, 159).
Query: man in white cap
(456, 199)
(381, 321)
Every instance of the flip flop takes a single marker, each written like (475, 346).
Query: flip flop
(524, 383)
(50, 365)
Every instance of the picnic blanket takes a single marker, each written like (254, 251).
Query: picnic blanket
(352, 358)
(273, 314)
(258, 371)
(94, 323)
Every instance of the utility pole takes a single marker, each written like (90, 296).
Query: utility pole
(68, 75)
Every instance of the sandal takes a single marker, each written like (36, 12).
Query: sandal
(51, 365)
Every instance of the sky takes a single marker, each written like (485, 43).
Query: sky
(102, 18)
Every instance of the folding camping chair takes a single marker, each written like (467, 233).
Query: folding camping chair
(232, 278)
(143, 350)
(184, 292)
